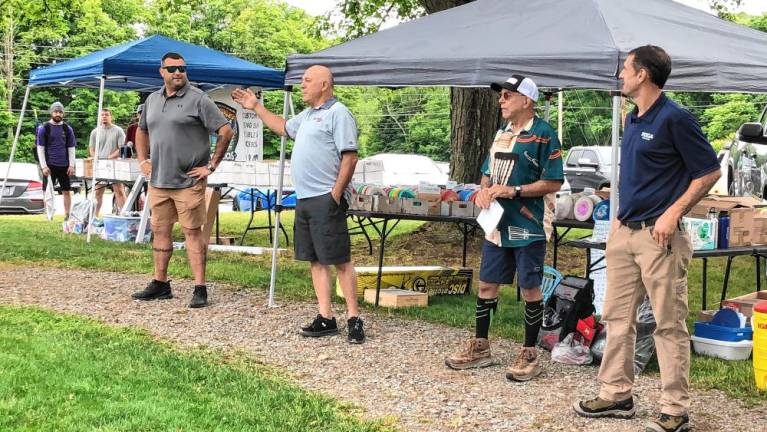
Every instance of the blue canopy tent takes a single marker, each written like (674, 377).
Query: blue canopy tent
(135, 66)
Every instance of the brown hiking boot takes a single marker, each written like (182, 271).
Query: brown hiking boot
(526, 366)
(476, 354)
(669, 423)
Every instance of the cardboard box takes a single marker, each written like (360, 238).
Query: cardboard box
(361, 202)
(760, 227)
(127, 169)
(703, 232)
(384, 204)
(463, 209)
(706, 315)
(415, 206)
(105, 169)
(84, 167)
(432, 280)
(397, 298)
(745, 303)
(741, 211)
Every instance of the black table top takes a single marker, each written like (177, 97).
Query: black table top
(733, 251)
(408, 216)
(573, 223)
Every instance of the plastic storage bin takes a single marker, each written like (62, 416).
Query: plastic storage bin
(123, 228)
(759, 323)
(729, 334)
(722, 349)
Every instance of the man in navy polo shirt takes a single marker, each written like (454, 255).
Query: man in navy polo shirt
(667, 166)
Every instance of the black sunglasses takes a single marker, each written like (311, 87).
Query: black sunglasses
(173, 69)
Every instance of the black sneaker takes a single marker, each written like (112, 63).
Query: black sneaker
(669, 423)
(200, 297)
(601, 408)
(155, 290)
(321, 326)
(356, 332)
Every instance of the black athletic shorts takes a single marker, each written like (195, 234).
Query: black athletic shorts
(60, 176)
(320, 232)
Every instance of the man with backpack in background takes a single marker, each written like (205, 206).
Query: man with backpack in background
(56, 152)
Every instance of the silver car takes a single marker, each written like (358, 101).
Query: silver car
(23, 191)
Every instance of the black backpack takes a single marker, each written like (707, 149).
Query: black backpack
(572, 300)
(47, 138)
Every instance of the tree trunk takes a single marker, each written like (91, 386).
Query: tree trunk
(474, 118)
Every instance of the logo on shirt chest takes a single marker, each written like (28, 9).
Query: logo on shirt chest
(647, 136)
(317, 119)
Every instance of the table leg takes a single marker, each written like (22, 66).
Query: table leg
(726, 280)
(704, 279)
(380, 261)
(250, 221)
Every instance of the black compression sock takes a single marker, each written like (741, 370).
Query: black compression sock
(485, 310)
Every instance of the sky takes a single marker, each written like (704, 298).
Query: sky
(319, 7)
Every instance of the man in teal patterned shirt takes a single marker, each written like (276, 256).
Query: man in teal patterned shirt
(524, 164)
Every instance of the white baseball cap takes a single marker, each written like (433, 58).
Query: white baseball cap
(519, 84)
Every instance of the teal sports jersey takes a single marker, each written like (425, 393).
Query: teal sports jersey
(514, 160)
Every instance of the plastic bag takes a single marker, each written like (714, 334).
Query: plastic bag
(81, 211)
(49, 200)
(571, 351)
(645, 344)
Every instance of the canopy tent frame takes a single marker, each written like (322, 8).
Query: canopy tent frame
(267, 81)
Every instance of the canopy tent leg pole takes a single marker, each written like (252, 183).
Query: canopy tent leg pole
(95, 161)
(547, 107)
(286, 107)
(15, 144)
(560, 111)
(616, 154)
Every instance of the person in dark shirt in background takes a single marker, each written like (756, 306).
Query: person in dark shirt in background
(56, 152)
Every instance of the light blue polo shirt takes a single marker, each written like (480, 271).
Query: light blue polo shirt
(321, 135)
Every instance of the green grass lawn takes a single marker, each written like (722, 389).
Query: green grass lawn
(65, 373)
(35, 241)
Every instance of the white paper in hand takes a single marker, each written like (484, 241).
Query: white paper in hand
(489, 218)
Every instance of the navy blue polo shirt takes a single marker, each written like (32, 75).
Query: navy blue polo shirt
(661, 153)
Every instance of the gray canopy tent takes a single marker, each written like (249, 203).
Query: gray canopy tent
(572, 44)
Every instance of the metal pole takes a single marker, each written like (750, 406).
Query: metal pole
(15, 143)
(560, 112)
(95, 161)
(616, 154)
(286, 107)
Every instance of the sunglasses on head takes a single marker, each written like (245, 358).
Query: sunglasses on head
(173, 69)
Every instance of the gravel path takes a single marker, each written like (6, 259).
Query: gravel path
(397, 374)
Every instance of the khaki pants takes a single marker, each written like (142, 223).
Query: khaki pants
(636, 265)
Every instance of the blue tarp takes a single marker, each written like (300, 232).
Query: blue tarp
(135, 66)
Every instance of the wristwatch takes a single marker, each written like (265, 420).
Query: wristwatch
(517, 191)
(211, 167)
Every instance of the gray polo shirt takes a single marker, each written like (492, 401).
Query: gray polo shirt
(321, 135)
(179, 129)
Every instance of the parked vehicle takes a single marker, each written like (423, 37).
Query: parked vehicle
(409, 169)
(23, 191)
(588, 167)
(747, 159)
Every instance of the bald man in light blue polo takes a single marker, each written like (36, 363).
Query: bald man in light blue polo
(322, 165)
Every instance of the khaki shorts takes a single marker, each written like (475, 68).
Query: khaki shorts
(187, 206)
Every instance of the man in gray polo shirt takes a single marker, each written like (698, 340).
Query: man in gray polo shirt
(176, 125)
(322, 164)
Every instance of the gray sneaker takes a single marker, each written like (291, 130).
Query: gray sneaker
(476, 354)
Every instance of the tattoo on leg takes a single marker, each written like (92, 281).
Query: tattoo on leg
(162, 250)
